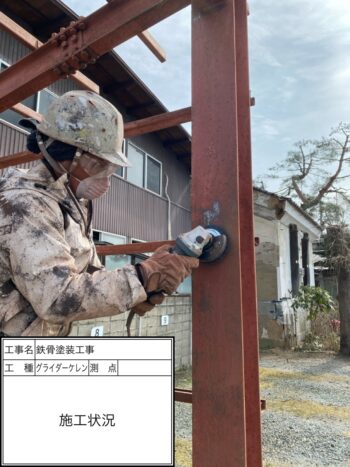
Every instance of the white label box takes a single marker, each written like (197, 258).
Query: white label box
(88, 401)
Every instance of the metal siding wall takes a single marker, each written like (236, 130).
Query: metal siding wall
(131, 211)
(11, 50)
(11, 140)
(178, 173)
(64, 85)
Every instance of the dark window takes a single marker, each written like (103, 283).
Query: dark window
(305, 258)
(294, 257)
(153, 175)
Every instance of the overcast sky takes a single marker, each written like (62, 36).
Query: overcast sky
(299, 65)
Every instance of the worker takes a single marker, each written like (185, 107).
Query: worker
(50, 274)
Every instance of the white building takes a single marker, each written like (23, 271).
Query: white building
(284, 261)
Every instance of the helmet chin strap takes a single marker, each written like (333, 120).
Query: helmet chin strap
(58, 168)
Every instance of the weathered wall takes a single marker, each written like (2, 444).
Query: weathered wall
(180, 325)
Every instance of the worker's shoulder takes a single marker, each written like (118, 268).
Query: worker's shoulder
(28, 198)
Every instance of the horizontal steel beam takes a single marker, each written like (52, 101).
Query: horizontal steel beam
(81, 43)
(132, 248)
(26, 111)
(138, 127)
(22, 35)
(183, 395)
(19, 158)
(153, 45)
(157, 122)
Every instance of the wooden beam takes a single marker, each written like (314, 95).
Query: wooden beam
(22, 35)
(81, 43)
(153, 45)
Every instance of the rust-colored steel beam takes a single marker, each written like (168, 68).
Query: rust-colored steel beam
(19, 158)
(153, 45)
(81, 43)
(138, 127)
(26, 111)
(219, 433)
(157, 122)
(247, 245)
(183, 395)
(186, 395)
(132, 248)
(33, 43)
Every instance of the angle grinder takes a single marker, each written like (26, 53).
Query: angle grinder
(207, 244)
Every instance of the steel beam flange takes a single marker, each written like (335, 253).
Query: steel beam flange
(70, 39)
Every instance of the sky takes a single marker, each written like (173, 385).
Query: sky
(299, 69)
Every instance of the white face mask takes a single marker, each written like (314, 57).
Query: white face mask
(92, 188)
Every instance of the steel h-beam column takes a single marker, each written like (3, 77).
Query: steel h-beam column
(249, 303)
(219, 431)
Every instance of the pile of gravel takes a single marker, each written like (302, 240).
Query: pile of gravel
(288, 439)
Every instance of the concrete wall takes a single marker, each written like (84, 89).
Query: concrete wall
(177, 308)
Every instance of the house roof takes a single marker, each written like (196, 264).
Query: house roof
(292, 203)
(116, 80)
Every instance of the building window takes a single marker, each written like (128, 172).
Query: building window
(45, 97)
(153, 172)
(137, 160)
(38, 102)
(146, 171)
(121, 170)
(111, 262)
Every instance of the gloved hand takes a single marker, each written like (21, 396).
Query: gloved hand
(165, 271)
(149, 304)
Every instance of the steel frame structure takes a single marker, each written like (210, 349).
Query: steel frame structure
(225, 397)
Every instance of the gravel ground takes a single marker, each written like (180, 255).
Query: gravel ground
(307, 421)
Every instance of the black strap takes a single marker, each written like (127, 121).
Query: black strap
(50, 169)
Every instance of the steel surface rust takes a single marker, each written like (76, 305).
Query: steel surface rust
(219, 433)
(249, 300)
(81, 43)
(132, 248)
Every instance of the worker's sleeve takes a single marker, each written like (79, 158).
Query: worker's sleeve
(44, 270)
(95, 261)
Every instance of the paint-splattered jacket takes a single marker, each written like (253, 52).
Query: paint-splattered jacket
(45, 253)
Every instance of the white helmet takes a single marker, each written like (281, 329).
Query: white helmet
(88, 121)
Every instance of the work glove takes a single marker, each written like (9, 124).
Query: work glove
(165, 271)
(153, 300)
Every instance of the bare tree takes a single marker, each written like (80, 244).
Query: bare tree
(314, 170)
(314, 174)
(337, 244)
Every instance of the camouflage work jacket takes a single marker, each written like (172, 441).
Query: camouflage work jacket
(45, 252)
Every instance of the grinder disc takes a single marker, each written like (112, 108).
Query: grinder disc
(217, 245)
